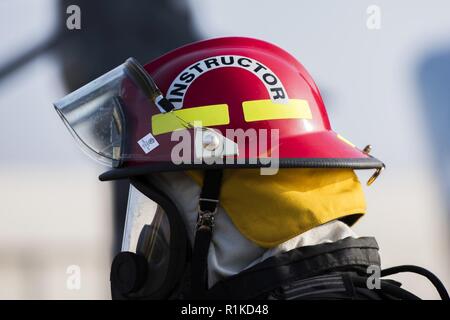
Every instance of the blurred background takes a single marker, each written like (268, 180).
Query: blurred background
(383, 68)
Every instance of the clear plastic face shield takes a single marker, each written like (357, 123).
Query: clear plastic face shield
(96, 114)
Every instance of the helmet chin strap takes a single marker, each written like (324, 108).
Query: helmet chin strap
(207, 208)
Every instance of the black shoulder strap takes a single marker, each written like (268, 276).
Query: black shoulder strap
(297, 264)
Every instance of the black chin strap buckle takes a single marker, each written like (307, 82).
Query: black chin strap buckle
(206, 217)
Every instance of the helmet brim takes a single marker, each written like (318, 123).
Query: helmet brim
(323, 149)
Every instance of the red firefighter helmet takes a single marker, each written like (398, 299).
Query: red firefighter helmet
(236, 86)
(221, 103)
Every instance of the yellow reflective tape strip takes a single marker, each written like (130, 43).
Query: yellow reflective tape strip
(345, 140)
(213, 115)
(258, 110)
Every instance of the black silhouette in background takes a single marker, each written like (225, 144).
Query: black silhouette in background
(111, 31)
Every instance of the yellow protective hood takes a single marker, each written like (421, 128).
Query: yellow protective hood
(270, 210)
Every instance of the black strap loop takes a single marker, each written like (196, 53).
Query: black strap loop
(209, 196)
